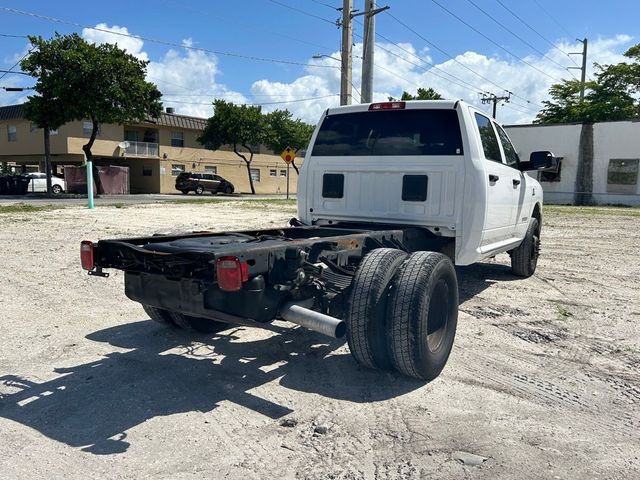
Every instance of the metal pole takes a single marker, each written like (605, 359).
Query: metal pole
(90, 183)
(288, 165)
(367, 54)
(495, 107)
(347, 40)
(583, 77)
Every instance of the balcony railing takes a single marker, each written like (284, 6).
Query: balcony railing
(141, 149)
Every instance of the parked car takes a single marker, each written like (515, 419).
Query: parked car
(203, 182)
(38, 183)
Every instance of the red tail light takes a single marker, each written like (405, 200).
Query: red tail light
(86, 255)
(231, 273)
(387, 106)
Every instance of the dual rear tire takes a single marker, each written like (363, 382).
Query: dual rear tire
(403, 312)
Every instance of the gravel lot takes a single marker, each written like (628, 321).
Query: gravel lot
(543, 381)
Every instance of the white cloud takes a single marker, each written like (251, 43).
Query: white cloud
(187, 78)
(132, 45)
(393, 75)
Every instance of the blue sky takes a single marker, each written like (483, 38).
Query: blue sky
(190, 79)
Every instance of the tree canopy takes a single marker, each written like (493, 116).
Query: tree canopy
(79, 80)
(611, 95)
(246, 127)
(283, 131)
(421, 94)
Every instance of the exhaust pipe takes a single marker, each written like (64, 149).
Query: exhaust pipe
(316, 321)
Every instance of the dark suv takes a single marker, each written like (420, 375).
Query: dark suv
(202, 182)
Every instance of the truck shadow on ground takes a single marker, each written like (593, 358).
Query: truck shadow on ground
(164, 371)
(93, 405)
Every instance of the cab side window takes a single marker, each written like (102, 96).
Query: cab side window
(488, 138)
(510, 154)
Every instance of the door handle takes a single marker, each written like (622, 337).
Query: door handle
(516, 182)
(493, 178)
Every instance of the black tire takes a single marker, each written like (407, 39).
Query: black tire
(367, 312)
(158, 315)
(199, 190)
(524, 259)
(197, 324)
(56, 189)
(228, 189)
(423, 315)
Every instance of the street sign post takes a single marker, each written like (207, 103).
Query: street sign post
(288, 155)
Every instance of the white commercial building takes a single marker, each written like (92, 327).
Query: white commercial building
(599, 161)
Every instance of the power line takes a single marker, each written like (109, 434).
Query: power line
(487, 14)
(244, 24)
(536, 31)
(153, 40)
(303, 12)
(326, 5)
(552, 18)
(457, 61)
(493, 41)
(15, 64)
(261, 103)
(13, 36)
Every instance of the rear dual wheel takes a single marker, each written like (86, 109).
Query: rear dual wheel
(403, 312)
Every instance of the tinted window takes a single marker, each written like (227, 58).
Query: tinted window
(207, 176)
(510, 154)
(390, 132)
(414, 188)
(488, 138)
(333, 185)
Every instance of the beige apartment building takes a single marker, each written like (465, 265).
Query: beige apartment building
(155, 152)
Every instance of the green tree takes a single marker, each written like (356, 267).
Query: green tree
(283, 131)
(421, 94)
(78, 80)
(239, 126)
(612, 95)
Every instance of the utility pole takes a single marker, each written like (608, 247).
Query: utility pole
(346, 61)
(488, 97)
(583, 74)
(368, 47)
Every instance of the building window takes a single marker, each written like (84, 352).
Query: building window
(87, 128)
(255, 174)
(33, 127)
(622, 175)
(552, 176)
(131, 135)
(177, 139)
(273, 172)
(211, 169)
(147, 171)
(176, 169)
(283, 173)
(11, 133)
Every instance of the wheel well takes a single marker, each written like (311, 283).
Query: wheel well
(537, 214)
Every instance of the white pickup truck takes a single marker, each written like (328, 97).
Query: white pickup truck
(390, 197)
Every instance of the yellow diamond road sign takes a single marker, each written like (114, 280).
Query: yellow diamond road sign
(288, 154)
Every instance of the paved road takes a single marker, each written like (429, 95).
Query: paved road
(41, 199)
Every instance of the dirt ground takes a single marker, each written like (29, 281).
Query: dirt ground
(543, 381)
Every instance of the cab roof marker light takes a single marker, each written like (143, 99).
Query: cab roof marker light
(387, 106)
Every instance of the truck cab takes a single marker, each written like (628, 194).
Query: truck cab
(441, 165)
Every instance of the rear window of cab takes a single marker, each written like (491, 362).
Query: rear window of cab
(390, 132)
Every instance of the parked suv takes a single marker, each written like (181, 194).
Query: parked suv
(202, 182)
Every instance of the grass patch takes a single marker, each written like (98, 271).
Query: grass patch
(563, 313)
(27, 208)
(616, 211)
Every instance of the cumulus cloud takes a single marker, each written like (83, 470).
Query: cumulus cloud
(106, 34)
(186, 77)
(404, 67)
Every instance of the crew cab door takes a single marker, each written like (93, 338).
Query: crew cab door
(501, 185)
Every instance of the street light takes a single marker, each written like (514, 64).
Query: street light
(318, 56)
